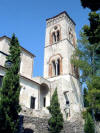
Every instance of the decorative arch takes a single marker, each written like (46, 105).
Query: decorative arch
(55, 34)
(55, 65)
(71, 36)
(44, 97)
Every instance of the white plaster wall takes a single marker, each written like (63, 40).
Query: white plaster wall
(64, 23)
(65, 49)
(26, 68)
(47, 84)
(28, 89)
(4, 47)
(64, 83)
(2, 59)
(47, 96)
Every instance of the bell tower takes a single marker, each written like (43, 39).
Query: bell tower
(60, 41)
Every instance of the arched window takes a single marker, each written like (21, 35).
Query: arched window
(67, 107)
(54, 68)
(54, 37)
(70, 35)
(58, 35)
(75, 71)
(55, 34)
(58, 67)
(55, 65)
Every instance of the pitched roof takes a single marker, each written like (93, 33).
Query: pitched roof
(3, 37)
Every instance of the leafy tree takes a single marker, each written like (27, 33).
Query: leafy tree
(93, 96)
(89, 124)
(88, 52)
(92, 4)
(86, 103)
(9, 102)
(56, 120)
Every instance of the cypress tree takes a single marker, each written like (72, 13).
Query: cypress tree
(56, 121)
(89, 124)
(9, 93)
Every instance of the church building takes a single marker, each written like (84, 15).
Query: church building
(36, 92)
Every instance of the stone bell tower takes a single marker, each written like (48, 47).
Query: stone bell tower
(60, 42)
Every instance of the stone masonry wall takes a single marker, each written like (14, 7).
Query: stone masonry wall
(40, 125)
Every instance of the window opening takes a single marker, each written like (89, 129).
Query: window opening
(67, 108)
(58, 67)
(1, 78)
(44, 102)
(58, 35)
(54, 37)
(70, 35)
(33, 102)
(54, 68)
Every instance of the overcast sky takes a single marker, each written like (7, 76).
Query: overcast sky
(26, 18)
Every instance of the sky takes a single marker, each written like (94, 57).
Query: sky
(27, 19)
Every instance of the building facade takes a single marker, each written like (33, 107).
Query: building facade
(36, 92)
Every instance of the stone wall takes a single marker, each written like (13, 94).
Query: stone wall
(97, 126)
(40, 125)
(37, 122)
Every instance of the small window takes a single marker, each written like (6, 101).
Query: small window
(32, 103)
(44, 102)
(54, 68)
(58, 67)
(54, 37)
(1, 78)
(58, 35)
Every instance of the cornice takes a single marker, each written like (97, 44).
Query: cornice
(58, 18)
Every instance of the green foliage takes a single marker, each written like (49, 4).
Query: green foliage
(94, 93)
(87, 58)
(89, 124)
(86, 103)
(91, 4)
(56, 120)
(9, 102)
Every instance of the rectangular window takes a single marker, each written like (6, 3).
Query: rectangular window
(44, 102)
(1, 78)
(32, 103)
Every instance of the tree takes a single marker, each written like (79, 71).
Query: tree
(86, 103)
(9, 102)
(94, 93)
(88, 52)
(89, 124)
(56, 121)
(92, 4)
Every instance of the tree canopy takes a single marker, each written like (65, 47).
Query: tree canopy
(9, 93)
(92, 4)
